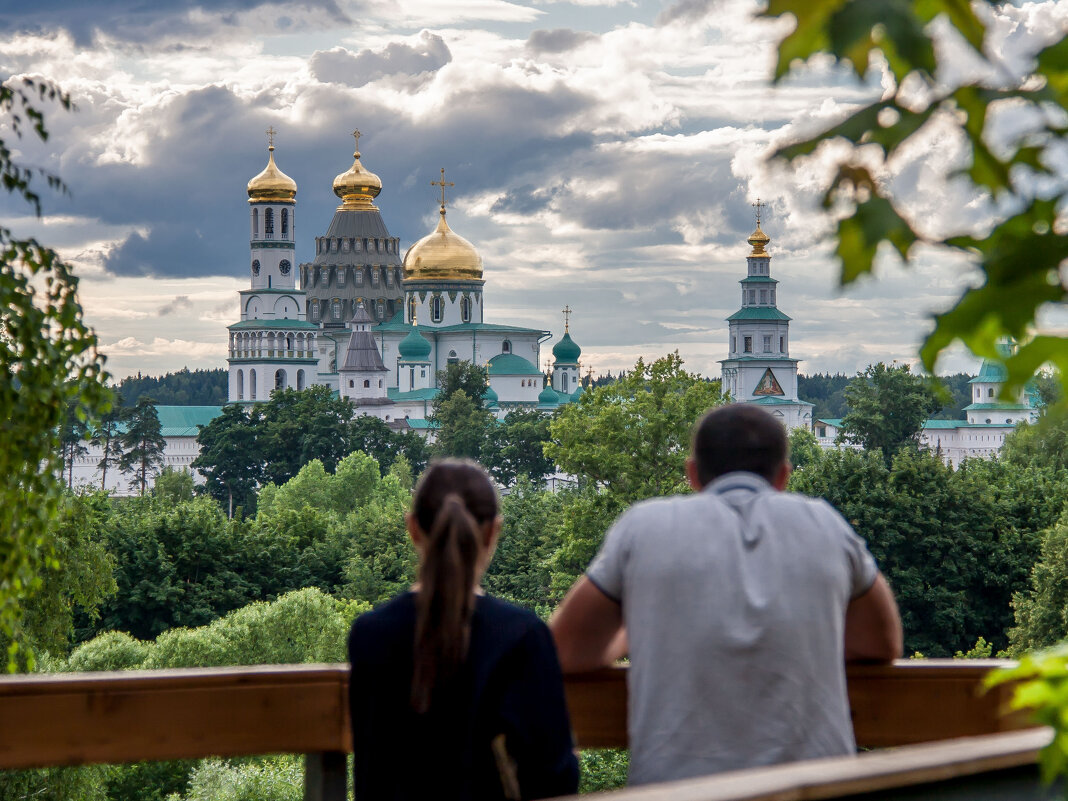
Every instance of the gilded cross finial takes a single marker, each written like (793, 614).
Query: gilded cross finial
(567, 317)
(442, 184)
(356, 134)
(270, 137)
(759, 206)
(589, 377)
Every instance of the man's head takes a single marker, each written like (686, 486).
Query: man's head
(738, 437)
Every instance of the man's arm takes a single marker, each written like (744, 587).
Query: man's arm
(588, 629)
(873, 625)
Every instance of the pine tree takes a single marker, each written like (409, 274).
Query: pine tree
(106, 436)
(142, 442)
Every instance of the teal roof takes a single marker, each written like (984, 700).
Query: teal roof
(396, 323)
(758, 313)
(758, 279)
(427, 394)
(997, 407)
(577, 393)
(420, 424)
(414, 346)
(293, 325)
(510, 364)
(548, 397)
(990, 373)
(778, 400)
(490, 398)
(566, 351)
(184, 421)
(831, 421)
(944, 424)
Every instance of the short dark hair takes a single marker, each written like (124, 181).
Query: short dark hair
(738, 436)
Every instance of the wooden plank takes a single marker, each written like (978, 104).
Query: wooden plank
(842, 777)
(70, 719)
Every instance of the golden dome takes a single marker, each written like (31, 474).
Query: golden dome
(442, 256)
(358, 186)
(272, 184)
(758, 239)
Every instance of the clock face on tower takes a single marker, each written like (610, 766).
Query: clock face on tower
(255, 266)
(284, 266)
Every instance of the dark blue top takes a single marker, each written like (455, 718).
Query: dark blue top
(509, 684)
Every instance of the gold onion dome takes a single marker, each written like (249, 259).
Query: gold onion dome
(358, 186)
(442, 256)
(272, 184)
(758, 239)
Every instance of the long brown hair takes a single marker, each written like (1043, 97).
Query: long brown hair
(454, 502)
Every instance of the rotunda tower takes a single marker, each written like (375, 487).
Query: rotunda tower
(566, 359)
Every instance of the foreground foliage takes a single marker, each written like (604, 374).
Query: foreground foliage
(904, 47)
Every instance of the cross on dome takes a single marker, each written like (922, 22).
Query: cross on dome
(356, 134)
(442, 183)
(567, 317)
(759, 206)
(270, 137)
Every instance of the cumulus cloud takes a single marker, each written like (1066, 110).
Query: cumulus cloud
(427, 55)
(558, 40)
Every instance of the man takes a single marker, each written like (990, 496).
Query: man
(740, 605)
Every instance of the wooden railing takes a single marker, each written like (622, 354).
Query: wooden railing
(71, 719)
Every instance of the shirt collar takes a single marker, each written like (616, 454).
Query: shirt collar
(738, 480)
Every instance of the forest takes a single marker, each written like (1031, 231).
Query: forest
(271, 559)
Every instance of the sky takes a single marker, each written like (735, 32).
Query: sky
(606, 154)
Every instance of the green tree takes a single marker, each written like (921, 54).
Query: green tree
(106, 436)
(887, 409)
(142, 443)
(299, 426)
(372, 436)
(72, 438)
(516, 447)
(231, 458)
(48, 357)
(1041, 612)
(804, 448)
(463, 427)
(173, 486)
(1018, 258)
(461, 376)
(1041, 444)
(632, 437)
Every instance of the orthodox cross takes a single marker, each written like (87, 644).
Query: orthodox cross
(442, 184)
(270, 137)
(589, 377)
(759, 206)
(356, 134)
(567, 317)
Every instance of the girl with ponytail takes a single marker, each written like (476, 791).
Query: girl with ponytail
(454, 694)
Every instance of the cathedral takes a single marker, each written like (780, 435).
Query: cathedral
(371, 325)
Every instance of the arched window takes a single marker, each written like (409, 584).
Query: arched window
(367, 383)
(300, 379)
(280, 379)
(564, 382)
(437, 308)
(990, 392)
(268, 223)
(337, 308)
(465, 309)
(506, 347)
(255, 223)
(285, 223)
(411, 309)
(240, 384)
(352, 384)
(252, 384)
(380, 306)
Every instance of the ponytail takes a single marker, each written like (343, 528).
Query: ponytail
(445, 599)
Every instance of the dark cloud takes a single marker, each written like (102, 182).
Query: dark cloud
(149, 21)
(526, 199)
(558, 40)
(685, 11)
(356, 69)
(180, 303)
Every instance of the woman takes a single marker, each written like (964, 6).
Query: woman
(453, 694)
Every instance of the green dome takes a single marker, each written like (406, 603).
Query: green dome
(490, 398)
(548, 397)
(577, 393)
(414, 347)
(566, 351)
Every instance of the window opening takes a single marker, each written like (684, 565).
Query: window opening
(268, 223)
